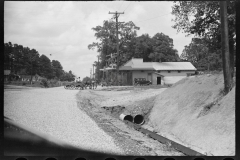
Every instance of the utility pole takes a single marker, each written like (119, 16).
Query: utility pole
(117, 14)
(98, 68)
(93, 71)
(225, 47)
(31, 69)
(90, 72)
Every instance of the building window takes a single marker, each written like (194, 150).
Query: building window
(159, 71)
(169, 71)
(179, 71)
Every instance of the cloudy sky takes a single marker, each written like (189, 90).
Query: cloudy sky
(64, 29)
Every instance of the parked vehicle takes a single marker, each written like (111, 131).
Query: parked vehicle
(141, 82)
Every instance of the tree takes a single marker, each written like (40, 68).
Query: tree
(198, 54)
(45, 67)
(23, 60)
(67, 76)
(57, 69)
(85, 79)
(8, 53)
(202, 18)
(33, 65)
(162, 49)
(143, 47)
(71, 76)
(106, 35)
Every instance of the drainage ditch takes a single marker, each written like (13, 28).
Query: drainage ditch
(138, 120)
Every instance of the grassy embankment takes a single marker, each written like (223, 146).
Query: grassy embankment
(197, 113)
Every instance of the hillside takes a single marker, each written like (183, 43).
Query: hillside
(196, 113)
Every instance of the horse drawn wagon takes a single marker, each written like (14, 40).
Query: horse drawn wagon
(82, 85)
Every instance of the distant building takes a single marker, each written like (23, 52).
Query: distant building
(6, 74)
(35, 77)
(159, 73)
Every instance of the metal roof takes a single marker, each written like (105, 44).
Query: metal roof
(138, 64)
(173, 66)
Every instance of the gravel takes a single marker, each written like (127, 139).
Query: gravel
(54, 111)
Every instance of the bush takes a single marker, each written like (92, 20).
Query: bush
(54, 83)
(23, 83)
(44, 82)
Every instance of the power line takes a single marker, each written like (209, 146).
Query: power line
(121, 5)
(152, 18)
(127, 6)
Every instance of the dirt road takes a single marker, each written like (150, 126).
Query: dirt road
(77, 118)
(54, 111)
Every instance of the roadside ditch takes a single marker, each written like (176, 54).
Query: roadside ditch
(133, 143)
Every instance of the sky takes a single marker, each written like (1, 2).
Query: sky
(62, 30)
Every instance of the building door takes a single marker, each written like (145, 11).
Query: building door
(158, 80)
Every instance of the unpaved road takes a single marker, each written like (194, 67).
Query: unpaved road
(54, 111)
(76, 117)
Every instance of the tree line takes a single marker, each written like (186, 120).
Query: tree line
(25, 61)
(204, 51)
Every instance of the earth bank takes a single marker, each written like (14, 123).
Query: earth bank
(194, 112)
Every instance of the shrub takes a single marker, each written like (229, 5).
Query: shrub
(23, 83)
(44, 82)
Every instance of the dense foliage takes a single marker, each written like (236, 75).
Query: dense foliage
(198, 53)
(86, 79)
(25, 61)
(202, 19)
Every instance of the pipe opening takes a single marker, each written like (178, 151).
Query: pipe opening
(139, 119)
(128, 118)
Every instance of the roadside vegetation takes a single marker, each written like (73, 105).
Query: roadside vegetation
(41, 84)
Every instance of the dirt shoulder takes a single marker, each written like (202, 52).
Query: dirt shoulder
(119, 101)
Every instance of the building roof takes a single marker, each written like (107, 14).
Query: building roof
(173, 66)
(158, 74)
(138, 64)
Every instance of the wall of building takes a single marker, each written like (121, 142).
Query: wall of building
(126, 77)
(174, 76)
(154, 79)
(169, 78)
(175, 73)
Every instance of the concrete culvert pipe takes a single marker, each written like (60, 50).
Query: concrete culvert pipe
(126, 117)
(138, 119)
